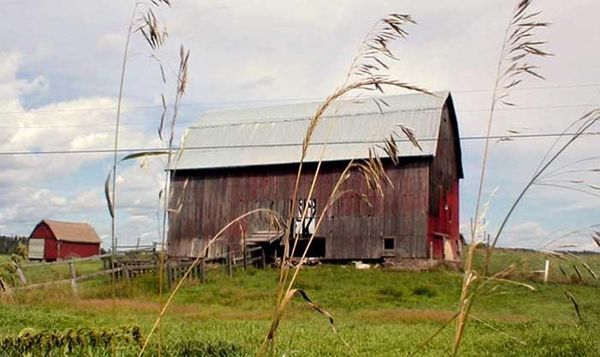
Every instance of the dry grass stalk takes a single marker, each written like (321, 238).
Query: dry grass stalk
(111, 195)
(470, 289)
(366, 73)
(596, 238)
(518, 47)
(181, 86)
(163, 308)
(148, 25)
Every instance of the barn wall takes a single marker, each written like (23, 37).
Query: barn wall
(444, 188)
(352, 229)
(50, 247)
(77, 250)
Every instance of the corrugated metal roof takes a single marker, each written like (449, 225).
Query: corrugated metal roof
(273, 135)
(73, 232)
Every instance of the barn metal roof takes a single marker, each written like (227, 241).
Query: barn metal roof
(72, 231)
(273, 135)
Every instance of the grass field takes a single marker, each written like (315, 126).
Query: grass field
(378, 312)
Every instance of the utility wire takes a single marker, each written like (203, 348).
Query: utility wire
(259, 101)
(217, 147)
(459, 111)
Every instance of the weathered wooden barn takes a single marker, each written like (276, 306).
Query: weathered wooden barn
(55, 240)
(235, 161)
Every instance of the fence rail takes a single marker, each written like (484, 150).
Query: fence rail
(128, 265)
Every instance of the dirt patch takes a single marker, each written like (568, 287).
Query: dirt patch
(185, 310)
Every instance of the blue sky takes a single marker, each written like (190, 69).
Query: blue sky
(59, 71)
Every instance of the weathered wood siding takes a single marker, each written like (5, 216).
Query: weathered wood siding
(443, 185)
(351, 228)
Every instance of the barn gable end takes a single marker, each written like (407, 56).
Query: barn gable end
(446, 170)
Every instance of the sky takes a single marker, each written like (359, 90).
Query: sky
(59, 78)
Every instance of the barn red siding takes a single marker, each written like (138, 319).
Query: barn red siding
(76, 249)
(444, 203)
(352, 229)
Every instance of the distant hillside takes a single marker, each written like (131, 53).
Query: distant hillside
(568, 266)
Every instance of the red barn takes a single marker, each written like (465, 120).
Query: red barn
(52, 240)
(238, 160)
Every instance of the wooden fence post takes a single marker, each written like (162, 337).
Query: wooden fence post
(21, 275)
(263, 257)
(245, 257)
(546, 270)
(73, 277)
(169, 274)
(229, 262)
(126, 272)
(202, 271)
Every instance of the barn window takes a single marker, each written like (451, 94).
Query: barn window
(388, 243)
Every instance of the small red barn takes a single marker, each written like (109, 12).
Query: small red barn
(52, 240)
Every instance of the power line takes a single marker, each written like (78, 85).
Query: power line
(459, 111)
(217, 147)
(259, 101)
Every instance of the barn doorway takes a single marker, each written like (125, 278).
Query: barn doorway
(316, 249)
(442, 247)
(437, 246)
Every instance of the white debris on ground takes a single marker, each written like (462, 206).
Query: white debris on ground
(360, 265)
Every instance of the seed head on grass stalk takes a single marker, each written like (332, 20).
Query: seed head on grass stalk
(181, 85)
(143, 21)
(519, 46)
(371, 169)
(147, 25)
(367, 73)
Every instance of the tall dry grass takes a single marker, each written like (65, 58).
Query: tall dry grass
(521, 46)
(144, 20)
(367, 73)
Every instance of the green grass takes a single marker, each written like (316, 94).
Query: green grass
(378, 311)
(531, 261)
(43, 273)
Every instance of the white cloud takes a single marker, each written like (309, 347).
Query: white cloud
(75, 125)
(536, 235)
(64, 125)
